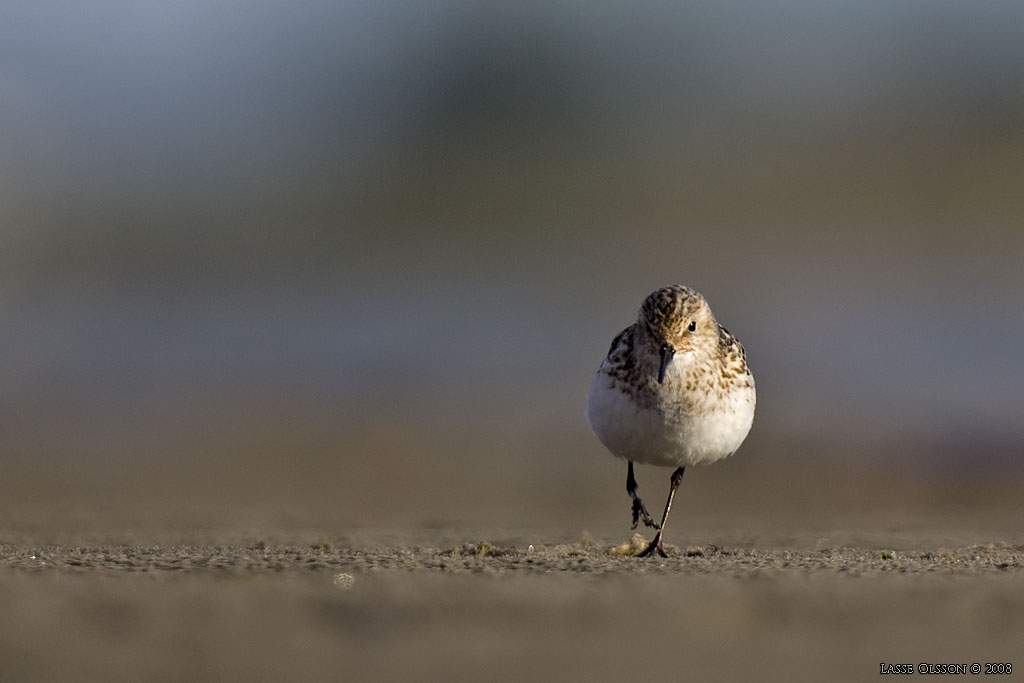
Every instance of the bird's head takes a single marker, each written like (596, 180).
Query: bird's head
(676, 320)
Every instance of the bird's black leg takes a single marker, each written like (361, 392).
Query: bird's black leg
(639, 511)
(655, 545)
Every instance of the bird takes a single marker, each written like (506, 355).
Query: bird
(674, 391)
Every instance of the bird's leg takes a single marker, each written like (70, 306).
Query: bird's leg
(639, 511)
(655, 545)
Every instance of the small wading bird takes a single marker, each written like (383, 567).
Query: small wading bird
(674, 391)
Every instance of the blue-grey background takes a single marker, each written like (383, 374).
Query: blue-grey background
(352, 265)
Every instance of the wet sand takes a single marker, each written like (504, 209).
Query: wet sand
(273, 568)
(490, 611)
(488, 559)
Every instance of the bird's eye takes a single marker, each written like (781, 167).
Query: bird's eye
(693, 325)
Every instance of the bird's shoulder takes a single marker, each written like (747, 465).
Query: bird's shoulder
(731, 351)
(621, 362)
(622, 343)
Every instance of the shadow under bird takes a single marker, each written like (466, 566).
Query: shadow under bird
(674, 391)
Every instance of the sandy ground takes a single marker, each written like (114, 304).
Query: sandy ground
(490, 611)
(486, 558)
(273, 567)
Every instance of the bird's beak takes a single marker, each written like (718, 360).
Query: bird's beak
(667, 351)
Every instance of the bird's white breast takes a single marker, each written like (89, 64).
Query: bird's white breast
(671, 433)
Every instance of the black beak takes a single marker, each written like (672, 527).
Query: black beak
(667, 351)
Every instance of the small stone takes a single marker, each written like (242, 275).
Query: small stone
(637, 544)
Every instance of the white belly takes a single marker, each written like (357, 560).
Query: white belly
(668, 435)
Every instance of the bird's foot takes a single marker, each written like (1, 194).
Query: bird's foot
(640, 512)
(654, 547)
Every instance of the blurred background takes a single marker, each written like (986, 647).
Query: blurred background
(348, 268)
